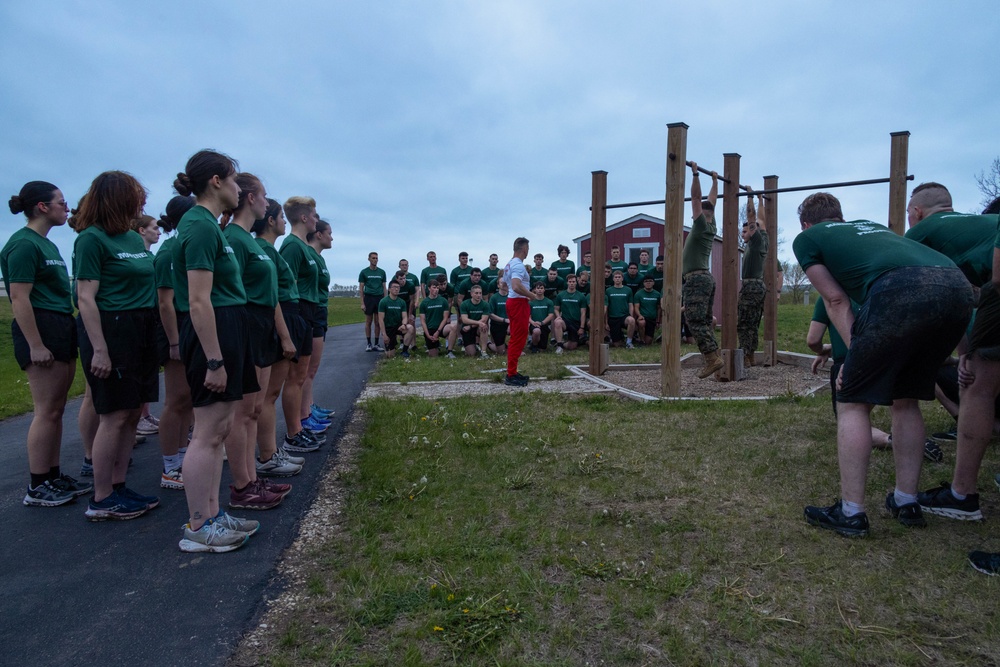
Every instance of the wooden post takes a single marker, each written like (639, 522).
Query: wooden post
(729, 288)
(598, 236)
(771, 274)
(673, 245)
(898, 162)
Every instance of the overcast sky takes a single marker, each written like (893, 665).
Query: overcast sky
(455, 125)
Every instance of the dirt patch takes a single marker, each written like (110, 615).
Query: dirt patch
(780, 380)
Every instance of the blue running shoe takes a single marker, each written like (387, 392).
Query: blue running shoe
(115, 507)
(149, 501)
(315, 426)
(322, 412)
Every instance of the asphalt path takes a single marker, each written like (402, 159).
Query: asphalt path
(122, 593)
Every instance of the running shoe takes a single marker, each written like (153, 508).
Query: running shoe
(246, 526)
(253, 496)
(276, 467)
(406, 354)
(985, 562)
(909, 514)
(369, 348)
(115, 507)
(515, 381)
(317, 438)
(559, 349)
(275, 487)
(147, 426)
(314, 426)
(932, 451)
(151, 502)
(212, 537)
(67, 483)
(47, 494)
(482, 353)
(451, 355)
(320, 412)
(139, 438)
(948, 436)
(283, 454)
(172, 479)
(377, 347)
(87, 469)
(942, 502)
(832, 518)
(298, 443)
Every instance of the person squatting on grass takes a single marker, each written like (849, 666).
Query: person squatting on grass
(45, 336)
(914, 306)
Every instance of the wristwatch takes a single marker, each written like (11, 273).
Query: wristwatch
(214, 364)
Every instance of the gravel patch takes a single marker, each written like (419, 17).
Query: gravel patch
(456, 388)
(780, 380)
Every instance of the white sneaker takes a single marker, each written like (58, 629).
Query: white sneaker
(451, 355)
(559, 349)
(275, 467)
(285, 455)
(246, 526)
(212, 537)
(147, 426)
(172, 479)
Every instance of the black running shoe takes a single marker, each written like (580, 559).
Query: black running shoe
(832, 518)
(941, 501)
(909, 514)
(949, 436)
(932, 452)
(985, 562)
(515, 381)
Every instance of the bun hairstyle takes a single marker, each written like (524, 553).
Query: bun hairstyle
(200, 169)
(176, 208)
(273, 209)
(114, 200)
(321, 226)
(31, 195)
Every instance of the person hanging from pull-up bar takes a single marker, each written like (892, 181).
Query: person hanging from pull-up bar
(751, 302)
(698, 293)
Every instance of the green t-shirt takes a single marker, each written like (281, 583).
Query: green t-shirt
(288, 290)
(490, 274)
(373, 279)
(459, 274)
(120, 263)
(698, 245)
(260, 277)
(406, 292)
(413, 281)
(393, 309)
(537, 274)
(322, 282)
(465, 287)
(434, 312)
(857, 253)
(498, 305)
(620, 264)
(648, 302)
(585, 267)
(571, 305)
(553, 287)
(644, 268)
(583, 287)
(163, 264)
(430, 274)
(475, 311)
(839, 351)
(296, 254)
(634, 283)
(967, 240)
(754, 255)
(541, 309)
(657, 279)
(617, 300)
(201, 246)
(29, 257)
(564, 268)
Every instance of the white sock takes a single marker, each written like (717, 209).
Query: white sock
(903, 498)
(172, 462)
(850, 509)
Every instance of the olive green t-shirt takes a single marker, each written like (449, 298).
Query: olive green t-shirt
(434, 311)
(537, 274)
(754, 255)
(490, 274)
(634, 283)
(967, 240)
(257, 270)
(288, 290)
(458, 274)
(465, 287)
(571, 305)
(374, 280)
(857, 253)
(617, 300)
(295, 252)
(698, 245)
(475, 311)
(429, 274)
(498, 305)
(29, 257)
(564, 268)
(393, 309)
(201, 246)
(648, 302)
(541, 309)
(553, 287)
(122, 266)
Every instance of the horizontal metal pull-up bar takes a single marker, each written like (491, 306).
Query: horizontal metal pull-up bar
(709, 173)
(827, 186)
(664, 201)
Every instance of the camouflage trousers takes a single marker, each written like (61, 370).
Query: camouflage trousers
(751, 308)
(699, 296)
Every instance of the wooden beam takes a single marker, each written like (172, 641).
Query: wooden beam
(729, 288)
(897, 181)
(673, 245)
(598, 236)
(771, 275)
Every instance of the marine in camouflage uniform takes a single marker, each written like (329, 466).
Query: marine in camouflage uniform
(751, 302)
(699, 286)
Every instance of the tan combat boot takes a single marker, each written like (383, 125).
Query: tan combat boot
(713, 363)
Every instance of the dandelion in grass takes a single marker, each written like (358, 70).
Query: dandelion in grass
(438, 628)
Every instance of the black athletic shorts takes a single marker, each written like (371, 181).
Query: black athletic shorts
(233, 332)
(265, 348)
(470, 335)
(58, 333)
(298, 329)
(650, 326)
(572, 330)
(371, 304)
(498, 332)
(834, 372)
(911, 321)
(543, 339)
(432, 344)
(616, 325)
(985, 336)
(391, 334)
(312, 314)
(135, 372)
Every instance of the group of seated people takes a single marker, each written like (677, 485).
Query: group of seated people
(477, 297)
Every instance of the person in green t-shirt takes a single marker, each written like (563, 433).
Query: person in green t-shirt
(463, 289)
(540, 318)
(372, 287)
(431, 272)
(412, 288)
(318, 241)
(632, 278)
(646, 310)
(617, 263)
(474, 316)
(644, 266)
(571, 316)
(491, 272)
(499, 322)
(698, 291)
(407, 291)
(565, 266)
(584, 266)
(583, 282)
(657, 274)
(618, 305)
(434, 319)
(553, 284)
(45, 343)
(538, 272)
(752, 292)
(915, 306)
(462, 271)
(394, 320)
